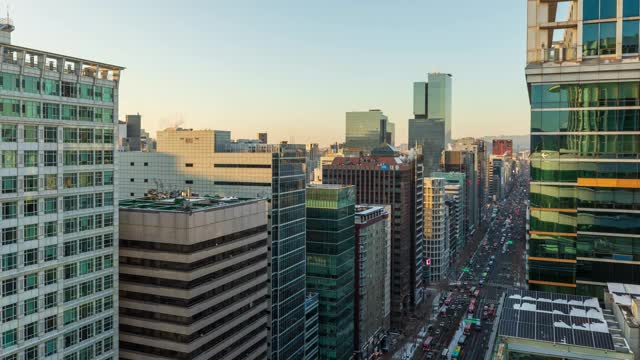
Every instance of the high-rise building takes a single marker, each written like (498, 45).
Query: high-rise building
(58, 224)
(187, 158)
(330, 266)
(502, 147)
(311, 325)
(194, 280)
(396, 181)
(262, 137)
(464, 162)
(372, 279)
(367, 130)
(431, 126)
(437, 252)
(456, 190)
(585, 186)
(222, 140)
(134, 125)
(478, 148)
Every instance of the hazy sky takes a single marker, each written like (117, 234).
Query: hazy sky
(293, 68)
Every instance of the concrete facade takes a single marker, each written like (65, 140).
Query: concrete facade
(437, 252)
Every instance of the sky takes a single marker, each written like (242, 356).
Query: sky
(293, 68)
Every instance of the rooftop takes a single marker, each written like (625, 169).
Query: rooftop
(555, 318)
(182, 204)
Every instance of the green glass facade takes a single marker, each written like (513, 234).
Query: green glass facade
(581, 135)
(367, 130)
(330, 265)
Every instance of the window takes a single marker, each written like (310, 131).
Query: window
(86, 245)
(51, 111)
(70, 293)
(9, 210)
(69, 89)
(31, 331)
(108, 219)
(97, 113)
(10, 107)
(108, 199)
(86, 179)
(85, 223)
(51, 347)
(70, 339)
(50, 134)
(630, 36)
(69, 112)
(50, 158)
(188, 165)
(108, 157)
(50, 229)
(51, 275)
(599, 39)
(50, 87)
(70, 271)
(70, 248)
(8, 159)
(86, 91)
(9, 184)
(107, 177)
(30, 257)
(31, 232)
(107, 116)
(9, 261)
(599, 9)
(50, 300)
(9, 287)
(86, 201)
(30, 158)
(98, 199)
(86, 157)
(8, 133)
(9, 312)
(9, 81)
(31, 109)
(31, 353)
(108, 136)
(9, 235)
(30, 207)
(70, 157)
(85, 136)
(70, 225)
(31, 183)
(50, 323)
(86, 288)
(70, 135)
(31, 84)
(50, 253)
(70, 180)
(50, 205)
(31, 306)
(70, 316)
(108, 241)
(30, 134)
(146, 164)
(85, 310)
(107, 94)
(30, 281)
(86, 113)
(50, 181)
(188, 182)
(9, 338)
(86, 266)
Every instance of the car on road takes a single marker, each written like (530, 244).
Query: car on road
(438, 331)
(429, 355)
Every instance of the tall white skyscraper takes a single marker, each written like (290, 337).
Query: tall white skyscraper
(59, 254)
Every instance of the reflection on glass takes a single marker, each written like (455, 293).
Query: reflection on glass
(631, 8)
(630, 36)
(607, 38)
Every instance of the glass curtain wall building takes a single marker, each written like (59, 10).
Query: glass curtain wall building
(330, 266)
(58, 223)
(585, 145)
(366, 130)
(431, 126)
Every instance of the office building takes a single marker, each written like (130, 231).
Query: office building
(58, 225)
(314, 156)
(134, 126)
(478, 148)
(222, 140)
(263, 138)
(372, 279)
(455, 185)
(585, 146)
(502, 147)
(330, 266)
(187, 158)
(431, 126)
(194, 280)
(464, 162)
(543, 325)
(366, 130)
(437, 247)
(395, 181)
(311, 325)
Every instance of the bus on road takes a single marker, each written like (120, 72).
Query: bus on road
(426, 345)
(455, 354)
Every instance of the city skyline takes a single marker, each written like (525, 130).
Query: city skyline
(286, 65)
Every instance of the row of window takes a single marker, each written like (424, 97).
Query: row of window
(54, 111)
(29, 183)
(88, 309)
(49, 158)
(87, 222)
(9, 261)
(589, 221)
(34, 85)
(585, 120)
(587, 145)
(88, 244)
(625, 93)
(570, 197)
(604, 247)
(71, 135)
(86, 288)
(570, 171)
(30, 282)
(51, 348)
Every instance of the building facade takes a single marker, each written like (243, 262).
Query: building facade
(437, 247)
(464, 162)
(194, 280)
(455, 185)
(431, 126)
(478, 148)
(188, 158)
(585, 185)
(366, 130)
(311, 331)
(330, 266)
(58, 225)
(372, 279)
(502, 147)
(391, 180)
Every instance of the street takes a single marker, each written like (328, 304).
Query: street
(496, 262)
